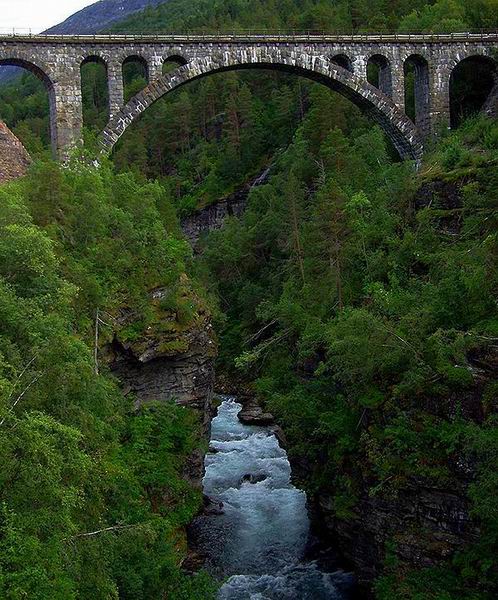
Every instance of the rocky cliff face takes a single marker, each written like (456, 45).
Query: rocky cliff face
(168, 361)
(14, 160)
(428, 522)
(428, 525)
(214, 216)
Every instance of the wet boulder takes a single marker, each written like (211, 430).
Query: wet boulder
(252, 414)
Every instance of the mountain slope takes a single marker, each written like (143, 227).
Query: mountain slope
(91, 19)
(95, 17)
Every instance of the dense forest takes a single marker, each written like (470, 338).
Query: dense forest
(363, 316)
(359, 315)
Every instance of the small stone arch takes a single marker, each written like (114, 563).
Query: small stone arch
(134, 67)
(379, 107)
(43, 75)
(101, 102)
(379, 73)
(95, 59)
(176, 58)
(138, 60)
(417, 91)
(172, 62)
(28, 65)
(465, 97)
(343, 60)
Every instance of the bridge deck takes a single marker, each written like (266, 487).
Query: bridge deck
(253, 37)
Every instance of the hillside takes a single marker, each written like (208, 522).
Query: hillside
(102, 14)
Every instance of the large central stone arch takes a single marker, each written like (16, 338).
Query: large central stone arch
(398, 127)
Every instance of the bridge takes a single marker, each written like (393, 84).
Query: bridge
(339, 62)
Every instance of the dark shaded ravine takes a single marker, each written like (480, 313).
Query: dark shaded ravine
(257, 536)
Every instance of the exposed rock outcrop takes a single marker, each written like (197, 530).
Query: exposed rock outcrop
(168, 361)
(14, 159)
(185, 375)
(428, 521)
(253, 414)
(428, 525)
(214, 216)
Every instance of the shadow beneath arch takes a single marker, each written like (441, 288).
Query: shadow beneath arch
(473, 84)
(22, 68)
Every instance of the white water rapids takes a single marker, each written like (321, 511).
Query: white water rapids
(259, 540)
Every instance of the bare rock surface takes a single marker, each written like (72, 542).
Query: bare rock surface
(253, 414)
(14, 159)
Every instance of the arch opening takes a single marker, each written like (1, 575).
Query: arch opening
(135, 75)
(397, 126)
(27, 104)
(94, 92)
(173, 62)
(417, 91)
(342, 60)
(379, 74)
(473, 83)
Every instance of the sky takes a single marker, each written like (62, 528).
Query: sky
(37, 15)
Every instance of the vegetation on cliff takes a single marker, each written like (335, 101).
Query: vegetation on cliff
(92, 498)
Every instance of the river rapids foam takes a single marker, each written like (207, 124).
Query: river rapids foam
(259, 540)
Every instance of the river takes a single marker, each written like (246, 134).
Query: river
(257, 541)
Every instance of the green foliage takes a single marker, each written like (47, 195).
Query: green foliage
(95, 95)
(357, 317)
(93, 502)
(118, 233)
(24, 107)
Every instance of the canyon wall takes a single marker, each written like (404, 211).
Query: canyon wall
(423, 522)
(168, 361)
(214, 216)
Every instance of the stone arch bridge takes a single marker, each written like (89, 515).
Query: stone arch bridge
(339, 62)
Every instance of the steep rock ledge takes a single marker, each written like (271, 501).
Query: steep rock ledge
(423, 523)
(214, 216)
(427, 524)
(186, 376)
(168, 361)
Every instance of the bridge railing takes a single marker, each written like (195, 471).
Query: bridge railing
(257, 35)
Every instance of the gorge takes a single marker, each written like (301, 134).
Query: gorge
(259, 540)
(250, 353)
